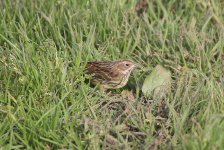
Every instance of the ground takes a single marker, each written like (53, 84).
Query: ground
(46, 101)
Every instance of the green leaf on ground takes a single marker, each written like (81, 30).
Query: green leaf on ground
(158, 83)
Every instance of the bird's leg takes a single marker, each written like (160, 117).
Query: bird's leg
(104, 90)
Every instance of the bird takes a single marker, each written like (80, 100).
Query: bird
(110, 74)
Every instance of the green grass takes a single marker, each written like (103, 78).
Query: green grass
(46, 103)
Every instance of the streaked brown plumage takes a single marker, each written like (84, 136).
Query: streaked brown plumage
(110, 74)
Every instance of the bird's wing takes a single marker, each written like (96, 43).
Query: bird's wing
(102, 70)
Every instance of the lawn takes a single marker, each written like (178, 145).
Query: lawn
(47, 102)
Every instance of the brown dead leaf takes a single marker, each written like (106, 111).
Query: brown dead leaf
(162, 138)
(109, 139)
(141, 7)
(90, 124)
(48, 147)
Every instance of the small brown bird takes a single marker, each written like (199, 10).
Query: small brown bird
(110, 74)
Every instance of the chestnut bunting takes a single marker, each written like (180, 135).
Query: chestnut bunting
(110, 74)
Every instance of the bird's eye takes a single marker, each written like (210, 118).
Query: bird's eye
(127, 65)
